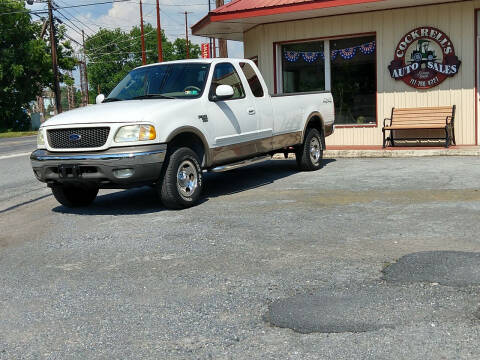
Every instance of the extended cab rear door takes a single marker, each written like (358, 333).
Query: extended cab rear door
(258, 91)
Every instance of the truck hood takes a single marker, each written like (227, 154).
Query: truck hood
(117, 112)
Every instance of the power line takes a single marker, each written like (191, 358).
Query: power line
(63, 7)
(126, 40)
(73, 17)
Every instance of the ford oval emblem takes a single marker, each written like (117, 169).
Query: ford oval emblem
(75, 137)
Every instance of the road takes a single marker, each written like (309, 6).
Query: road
(267, 251)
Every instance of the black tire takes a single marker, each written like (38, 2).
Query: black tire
(74, 195)
(309, 159)
(182, 180)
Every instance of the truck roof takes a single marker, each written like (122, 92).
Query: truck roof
(204, 61)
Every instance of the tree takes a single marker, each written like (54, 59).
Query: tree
(25, 63)
(109, 58)
(180, 49)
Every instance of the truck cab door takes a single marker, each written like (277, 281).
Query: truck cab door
(234, 120)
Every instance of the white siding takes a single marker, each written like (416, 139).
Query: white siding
(456, 20)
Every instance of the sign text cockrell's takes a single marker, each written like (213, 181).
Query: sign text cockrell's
(424, 58)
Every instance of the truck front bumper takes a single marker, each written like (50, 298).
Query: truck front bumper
(113, 168)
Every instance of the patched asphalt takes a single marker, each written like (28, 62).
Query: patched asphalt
(371, 307)
(453, 268)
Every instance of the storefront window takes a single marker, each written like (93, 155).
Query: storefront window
(350, 74)
(303, 67)
(353, 74)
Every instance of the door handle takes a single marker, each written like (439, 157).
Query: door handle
(251, 111)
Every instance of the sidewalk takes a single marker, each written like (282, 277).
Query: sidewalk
(398, 152)
(336, 152)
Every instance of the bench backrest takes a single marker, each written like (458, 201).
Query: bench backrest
(427, 116)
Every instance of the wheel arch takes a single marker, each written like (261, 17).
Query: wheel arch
(193, 138)
(315, 121)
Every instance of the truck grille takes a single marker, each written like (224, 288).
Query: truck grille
(78, 138)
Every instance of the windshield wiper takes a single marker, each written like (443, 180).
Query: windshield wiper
(112, 100)
(152, 96)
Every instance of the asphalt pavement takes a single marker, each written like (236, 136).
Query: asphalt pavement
(273, 264)
(17, 146)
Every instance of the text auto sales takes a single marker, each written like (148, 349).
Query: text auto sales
(433, 34)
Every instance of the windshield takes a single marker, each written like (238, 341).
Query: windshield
(162, 81)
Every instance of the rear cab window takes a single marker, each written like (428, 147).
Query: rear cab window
(253, 80)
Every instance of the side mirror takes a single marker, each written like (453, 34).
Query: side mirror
(224, 92)
(99, 99)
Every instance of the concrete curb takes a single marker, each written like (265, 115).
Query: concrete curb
(336, 154)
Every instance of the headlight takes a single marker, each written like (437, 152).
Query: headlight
(40, 139)
(132, 133)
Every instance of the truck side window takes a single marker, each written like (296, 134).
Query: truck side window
(252, 79)
(225, 74)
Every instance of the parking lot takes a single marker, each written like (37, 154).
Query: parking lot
(268, 250)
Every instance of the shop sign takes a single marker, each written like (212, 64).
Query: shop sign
(205, 51)
(424, 58)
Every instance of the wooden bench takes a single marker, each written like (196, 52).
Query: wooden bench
(441, 118)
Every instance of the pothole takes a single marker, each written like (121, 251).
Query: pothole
(368, 308)
(452, 268)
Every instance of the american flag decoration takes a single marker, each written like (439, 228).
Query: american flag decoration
(348, 53)
(310, 57)
(334, 54)
(368, 48)
(292, 56)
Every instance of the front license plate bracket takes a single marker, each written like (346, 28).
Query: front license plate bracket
(66, 171)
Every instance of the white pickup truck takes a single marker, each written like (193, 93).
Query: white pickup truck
(164, 124)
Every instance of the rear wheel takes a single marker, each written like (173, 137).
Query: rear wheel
(182, 180)
(310, 154)
(74, 195)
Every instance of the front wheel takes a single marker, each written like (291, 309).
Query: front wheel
(182, 181)
(74, 195)
(310, 154)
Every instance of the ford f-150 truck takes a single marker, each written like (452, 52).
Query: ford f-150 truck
(165, 124)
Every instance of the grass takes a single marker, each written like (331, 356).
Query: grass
(14, 134)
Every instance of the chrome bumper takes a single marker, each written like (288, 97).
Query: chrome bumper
(145, 161)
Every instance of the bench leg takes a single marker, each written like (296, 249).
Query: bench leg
(453, 135)
(447, 138)
(392, 141)
(384, 140)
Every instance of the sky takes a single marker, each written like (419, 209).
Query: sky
(125, 15)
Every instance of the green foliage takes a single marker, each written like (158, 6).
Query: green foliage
(113, 53)
(64, 96)
(180, 46)
(25, 63)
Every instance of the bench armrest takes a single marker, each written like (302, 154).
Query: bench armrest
(385, 121)
(449, 120)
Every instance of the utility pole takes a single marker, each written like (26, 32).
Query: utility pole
(144, 58)
(53, 44)
(85, 94)
(186, 34)
(159, 35)
(211, 40)
(222, 43)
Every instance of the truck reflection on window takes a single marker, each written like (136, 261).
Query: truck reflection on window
(303, 67)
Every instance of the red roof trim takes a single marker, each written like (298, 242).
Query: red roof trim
(281, 9)
(225, 15)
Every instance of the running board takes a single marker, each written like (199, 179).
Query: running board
(241, 164)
